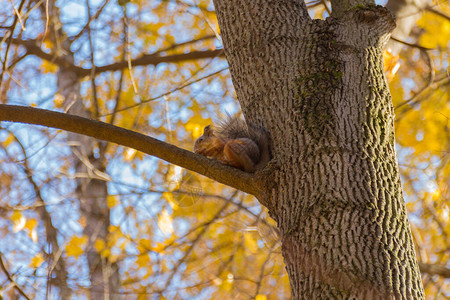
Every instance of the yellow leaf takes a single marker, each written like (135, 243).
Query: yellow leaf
(115, 234)
(261, 297)
(123, 245)
(106, 252)
(217, 281)
(18, 220)
(30, 224)
(75, 246)
(48, 45)
(99, 245)
(174, 177)
(112, 201)
(159, 248)
(228, 283)
(436, 195)
(129, 154)
(391, 64)
(8, 140)
(48, 67)
(113, 258)
(16, 216)
(436, 31)
(250, 242)
(144, 245)
(37, 261)
(58, 100)
(143, 260)
(165, 222)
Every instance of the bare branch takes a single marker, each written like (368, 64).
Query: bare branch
(233, 177)
(147, 59)
(13, 26)
(174, 46)
(150, 59)
(50, 231)
(182, 86)
(434, 269)
(11, 279)
(92, 56)
(410, 44)
(95, 17)
(419, 95)
(438, 12)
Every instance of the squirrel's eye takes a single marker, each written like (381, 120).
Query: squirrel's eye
(200, 139)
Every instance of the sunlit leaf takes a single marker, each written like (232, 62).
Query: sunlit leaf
(18, 220)
(75, 246)
(165, 222)
(99, 245)
(112, 201)
(37, 261)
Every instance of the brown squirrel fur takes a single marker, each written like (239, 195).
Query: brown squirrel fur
(234, 143)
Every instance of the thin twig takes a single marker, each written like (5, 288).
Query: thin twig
(169, 92)
(410, 44)
(122, 75)
(174, 46)
(96, 15)
(324, 3)
(430, 80)
(147, 59)
(11, 34)
(11, 279)
(418, 96)
(92, 51)
(437, 12)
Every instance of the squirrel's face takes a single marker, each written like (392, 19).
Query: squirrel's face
(198, 143)
(208, 141)
(207, 132)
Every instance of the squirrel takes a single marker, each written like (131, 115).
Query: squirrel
(235, 143)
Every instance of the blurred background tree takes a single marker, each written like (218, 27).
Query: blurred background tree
(82, 218)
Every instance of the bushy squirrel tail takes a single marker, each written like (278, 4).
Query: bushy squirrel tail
(234, 127)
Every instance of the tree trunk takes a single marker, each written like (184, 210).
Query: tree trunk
(92, 192)
(319, 89)
(91, 189)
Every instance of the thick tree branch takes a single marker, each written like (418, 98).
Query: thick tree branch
(224, 174)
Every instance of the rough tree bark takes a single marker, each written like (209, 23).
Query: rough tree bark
(319, 89)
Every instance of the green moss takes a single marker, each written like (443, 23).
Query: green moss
(317, 85)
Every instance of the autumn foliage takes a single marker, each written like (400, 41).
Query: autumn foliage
(157, 67)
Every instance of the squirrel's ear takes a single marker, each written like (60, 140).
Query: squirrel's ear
(208, 131)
